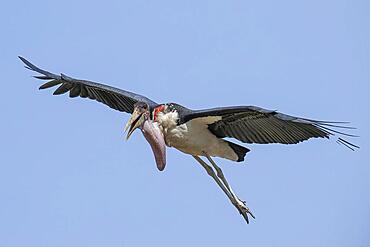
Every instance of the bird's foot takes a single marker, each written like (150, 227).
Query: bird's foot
(243, 209)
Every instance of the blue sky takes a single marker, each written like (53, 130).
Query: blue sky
(68, 178)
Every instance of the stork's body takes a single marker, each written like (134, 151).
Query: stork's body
(193, 137)
(197, 132)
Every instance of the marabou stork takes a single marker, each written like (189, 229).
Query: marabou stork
(198, 132)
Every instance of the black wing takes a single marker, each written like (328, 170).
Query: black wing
(113, 97)
(252, 124)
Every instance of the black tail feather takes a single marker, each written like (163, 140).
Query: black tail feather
(239, 150)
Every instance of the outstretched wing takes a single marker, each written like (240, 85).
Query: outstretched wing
(252, 124)
(115, 98)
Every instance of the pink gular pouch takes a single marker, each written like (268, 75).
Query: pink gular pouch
(154, 136)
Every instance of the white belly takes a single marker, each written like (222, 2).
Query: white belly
(194, 138)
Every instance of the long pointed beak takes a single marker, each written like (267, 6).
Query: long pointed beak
(134, 122)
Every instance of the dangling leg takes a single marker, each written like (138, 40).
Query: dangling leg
(239, 204)
(222, 183)
(220, 174)
(212, 173)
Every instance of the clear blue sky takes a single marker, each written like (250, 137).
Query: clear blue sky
(68, 178)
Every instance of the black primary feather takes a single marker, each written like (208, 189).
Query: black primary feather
(251, 124)
(115, 98)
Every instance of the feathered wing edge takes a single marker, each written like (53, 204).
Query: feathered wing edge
(238, 122)
(115, 98)
(328, 127)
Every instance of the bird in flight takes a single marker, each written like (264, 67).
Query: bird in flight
(199, 133)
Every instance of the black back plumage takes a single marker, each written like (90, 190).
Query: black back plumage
(115, 98)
